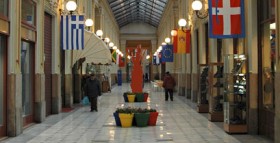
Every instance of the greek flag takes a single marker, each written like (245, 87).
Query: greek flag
(72, 32)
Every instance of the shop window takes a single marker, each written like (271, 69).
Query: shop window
(268, 9)
(4, 8)
(268, 63)
(28, 8)
(27, 77)
(2, 46)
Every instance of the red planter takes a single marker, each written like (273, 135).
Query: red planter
(146, 97)
(153, 118)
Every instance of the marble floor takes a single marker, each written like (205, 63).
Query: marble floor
(178, 122)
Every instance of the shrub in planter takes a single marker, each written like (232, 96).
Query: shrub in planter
(125, 97)
(153, 117)
(139, 97)
(142, 117)
(146, 95)
(126, 116)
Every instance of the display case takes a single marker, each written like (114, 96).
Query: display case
(235, 101)
(202, 98)
(216, 90)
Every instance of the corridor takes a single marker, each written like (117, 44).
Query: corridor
(178, 122)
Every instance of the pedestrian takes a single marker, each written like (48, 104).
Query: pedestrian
(168, 84)
(93, 90)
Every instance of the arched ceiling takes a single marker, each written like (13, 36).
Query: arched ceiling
(128, 11)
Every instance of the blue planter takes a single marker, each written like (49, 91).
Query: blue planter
(117, 119)
(125, 97)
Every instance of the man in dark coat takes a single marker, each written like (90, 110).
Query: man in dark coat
(93, 90)
(168, 84)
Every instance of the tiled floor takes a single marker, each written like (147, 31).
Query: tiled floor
(178, 122)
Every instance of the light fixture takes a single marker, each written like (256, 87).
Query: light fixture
(148, 57)
(106, 40)
(115, 47)
(128, 57)
(163, 43)
(111, 44)
(183, 25)
(118, 51)
(160, 48)
(174, 33)
(88, 23)
(167, 40)
(99, 33)
(197, 6)
(71, 6)
(182, 22)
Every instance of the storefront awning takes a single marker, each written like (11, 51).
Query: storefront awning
(95, 51)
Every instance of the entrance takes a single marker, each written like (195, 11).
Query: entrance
(27, 70)
(266, 70)
(48, 62)
(3, 75)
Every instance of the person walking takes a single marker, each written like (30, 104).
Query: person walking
(93, 90)
(168, 84)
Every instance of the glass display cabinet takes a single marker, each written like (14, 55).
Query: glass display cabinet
(202, 98)
(235, 101)
(216, 88)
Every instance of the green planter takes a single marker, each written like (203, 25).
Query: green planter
(142, 119)
(139, 97)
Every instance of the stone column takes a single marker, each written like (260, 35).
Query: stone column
(68, 101)
(252, 50)
(155, 69)
(123, 48)
(14, 88)
(56, 75)
(40, 102)
(194, 73)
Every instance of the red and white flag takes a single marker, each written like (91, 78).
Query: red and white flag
(226, 19)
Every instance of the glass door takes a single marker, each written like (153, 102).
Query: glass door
(3, 75)
(27, 71)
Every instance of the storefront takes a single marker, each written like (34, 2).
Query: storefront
(267, 62)
(3, 66)
(3, 95)
(27, 62)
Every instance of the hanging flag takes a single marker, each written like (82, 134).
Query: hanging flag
(167, 53)
(114, 55)
(175, 43)
(121, 61)
(72, 32)
(226, 19)
(182, 42)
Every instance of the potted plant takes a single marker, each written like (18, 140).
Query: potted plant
(146, 96)
(139, 97)
(126, 116)
(153, 117)
(142, 117)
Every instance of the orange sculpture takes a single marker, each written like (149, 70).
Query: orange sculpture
(137, 73)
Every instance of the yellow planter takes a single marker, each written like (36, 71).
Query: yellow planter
(126, 119)
(131, 97)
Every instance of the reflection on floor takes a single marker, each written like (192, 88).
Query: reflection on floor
(178, 122)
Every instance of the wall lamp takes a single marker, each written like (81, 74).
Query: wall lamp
(71, 6)
(99, 33)
(89, 23)
(167, 40)
(182, 23)
(197, 6)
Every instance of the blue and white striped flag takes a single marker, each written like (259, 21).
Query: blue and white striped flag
(72, 32)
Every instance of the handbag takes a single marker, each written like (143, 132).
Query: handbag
(85, 100)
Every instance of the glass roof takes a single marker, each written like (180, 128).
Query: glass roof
(128, 11)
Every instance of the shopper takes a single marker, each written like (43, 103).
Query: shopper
(168, 84)
(93, 90)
